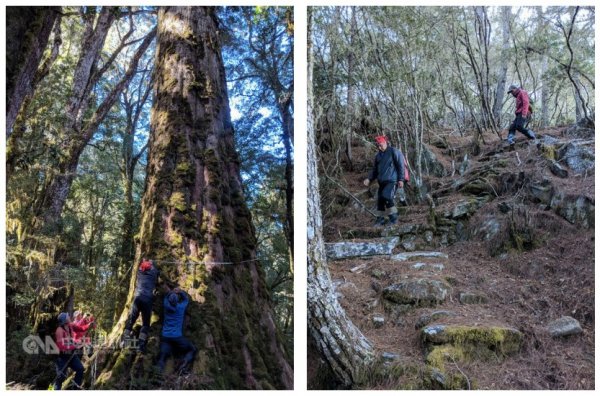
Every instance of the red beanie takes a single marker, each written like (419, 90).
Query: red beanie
(145, 265)
(380, 139)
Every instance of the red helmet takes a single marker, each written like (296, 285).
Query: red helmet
(380, 139)
(146, 265)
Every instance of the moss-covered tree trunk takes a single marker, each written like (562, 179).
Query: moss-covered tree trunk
(193, 217)
(27, 33)
(341, 344)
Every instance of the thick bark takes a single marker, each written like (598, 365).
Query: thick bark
(288, 133)
(27, 33)
(340, 343)
(194, 217)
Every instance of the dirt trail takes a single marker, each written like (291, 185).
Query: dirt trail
(518, 258)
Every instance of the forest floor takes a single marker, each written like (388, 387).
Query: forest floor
(520, 288)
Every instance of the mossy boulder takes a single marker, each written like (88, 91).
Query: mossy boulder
(448, 345)
(502, 341)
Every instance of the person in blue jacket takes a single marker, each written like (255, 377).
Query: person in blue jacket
(390, 172)
(172, 339)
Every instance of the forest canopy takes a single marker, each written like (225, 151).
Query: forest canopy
(83, 82)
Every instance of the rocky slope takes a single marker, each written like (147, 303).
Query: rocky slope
(488, 283)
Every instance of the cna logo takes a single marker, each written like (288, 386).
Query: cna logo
(34, 345)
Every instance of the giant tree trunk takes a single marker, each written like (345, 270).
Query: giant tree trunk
(194, 217)
(27, 33)
(340, 343)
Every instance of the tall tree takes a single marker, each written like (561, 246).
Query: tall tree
(194, 219)
(79, 127)
(27, 33)
(341, 343)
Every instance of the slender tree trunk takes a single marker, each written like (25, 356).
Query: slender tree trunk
(27, 33)
(194, 217)
(340, 343)
(350, 111)
(501, 86)
(579, 110)
(288, 133)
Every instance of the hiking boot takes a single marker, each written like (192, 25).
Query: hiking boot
(393, 218)
(125, 339)
(380, 221)
(511, 146)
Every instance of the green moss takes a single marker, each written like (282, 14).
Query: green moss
(177, 201)
(548, 152)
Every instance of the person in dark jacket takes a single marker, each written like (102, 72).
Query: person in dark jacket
(172, 338)
(147, 278)
(389, 171)
(521, 113)
(67, 346)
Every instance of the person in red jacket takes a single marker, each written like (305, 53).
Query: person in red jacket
(521, 114)
(85, 323)
(67, 345)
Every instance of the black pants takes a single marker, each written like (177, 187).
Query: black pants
(385, 196)
(180, 345)
(519, 125)
(141, 305)
(63, 362)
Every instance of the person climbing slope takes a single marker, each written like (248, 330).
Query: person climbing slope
(67, 346)
(147, 278)
(389, 170)
(172, 339)
(521, 113)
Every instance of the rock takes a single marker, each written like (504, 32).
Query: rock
(472, 298)
(428, 236)
(378, 321)
(390, 357)
(558, 170)
(427, 318)
(460, 231)
(579, 155)
(417, 291)
(434, 267)
(501, 340)
(376, 286)
(462, 209)
(430, 163)
(576, 209)
(487, 229)
(378, 274)
(342, 250)
(408, 243)
(438, 377)
(542, 191)
(358, 268)
(411, 255)
(582, 129)
(407, 229)
(565, 326)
